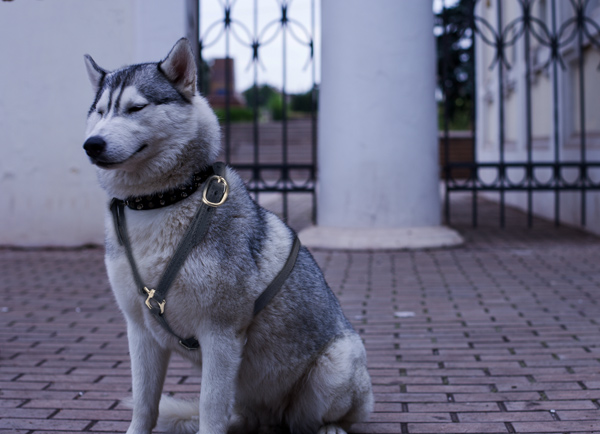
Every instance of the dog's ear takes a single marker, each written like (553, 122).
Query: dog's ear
(95, 73)
(180, 68)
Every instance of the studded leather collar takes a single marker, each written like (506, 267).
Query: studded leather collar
(169, 197)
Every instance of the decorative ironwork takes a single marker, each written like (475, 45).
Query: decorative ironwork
(260, 176)
(576, 31)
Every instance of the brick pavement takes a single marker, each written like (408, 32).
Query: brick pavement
(498, 336)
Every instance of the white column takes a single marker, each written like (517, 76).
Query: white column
(378, 138)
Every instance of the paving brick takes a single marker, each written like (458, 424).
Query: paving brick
(592, 415)
(475, 428)
(11, 403)
(504, 416)
(92, 386)
(410, 417)
(29, 394)
(579, 394)
(79, 404)
(110, 426)
(74, 414)
(410, 397)
(5, 386)
(549, 405)
(22, 413)
(538, 386)
(495, 397)
(53, 378)
(482, 388)
(396, 380)
(46, 424)
(104, 395)
(454, 407)
(556, 426)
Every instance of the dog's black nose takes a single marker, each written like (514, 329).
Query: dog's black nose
(94, 146)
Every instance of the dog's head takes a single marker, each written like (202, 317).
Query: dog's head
(148, 120)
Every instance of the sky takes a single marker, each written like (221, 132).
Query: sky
(437, 4)
(299, 68)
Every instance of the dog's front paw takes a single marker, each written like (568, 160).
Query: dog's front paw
(331, 429)
(136, 430)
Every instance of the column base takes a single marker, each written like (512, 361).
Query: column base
(320, 237)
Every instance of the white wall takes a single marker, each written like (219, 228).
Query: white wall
(48, 189)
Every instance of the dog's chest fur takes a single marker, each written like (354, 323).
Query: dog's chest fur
(223, 274)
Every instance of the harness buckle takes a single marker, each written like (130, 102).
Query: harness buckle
(150, 293)
(220, 180)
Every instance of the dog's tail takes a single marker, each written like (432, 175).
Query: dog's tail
(175, 415)
(178, 415)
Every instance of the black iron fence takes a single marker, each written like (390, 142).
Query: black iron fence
(264, 168)
(519, 70)
(496, 58)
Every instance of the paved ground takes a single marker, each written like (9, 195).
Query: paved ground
(499, 336)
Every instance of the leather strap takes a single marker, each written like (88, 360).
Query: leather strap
(118, 211)
(194, 234)
(156, 298)
(272, 290)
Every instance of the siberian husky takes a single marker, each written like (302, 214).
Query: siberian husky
(298, 365)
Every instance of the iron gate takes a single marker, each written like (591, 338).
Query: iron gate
(284, 173)
(526, 43)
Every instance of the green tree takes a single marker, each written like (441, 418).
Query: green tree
(455, 63)
(303, 102)
(265, 93)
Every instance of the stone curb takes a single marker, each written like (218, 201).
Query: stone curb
(414, 238)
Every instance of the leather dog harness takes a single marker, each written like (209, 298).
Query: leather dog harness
(214, 195)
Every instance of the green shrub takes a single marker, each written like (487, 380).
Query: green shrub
(303, 102)
(265, 92)
(275, 106)
(236, 114)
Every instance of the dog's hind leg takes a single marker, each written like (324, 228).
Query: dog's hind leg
(336, 392)
(148, 369)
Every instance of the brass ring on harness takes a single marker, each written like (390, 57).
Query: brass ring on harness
(220, 180)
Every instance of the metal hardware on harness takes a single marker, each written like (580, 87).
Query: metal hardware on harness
(150, 293)
(220, 180)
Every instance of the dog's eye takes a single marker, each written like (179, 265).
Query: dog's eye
(136, 108)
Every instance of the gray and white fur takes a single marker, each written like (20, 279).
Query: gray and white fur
(299, 363)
